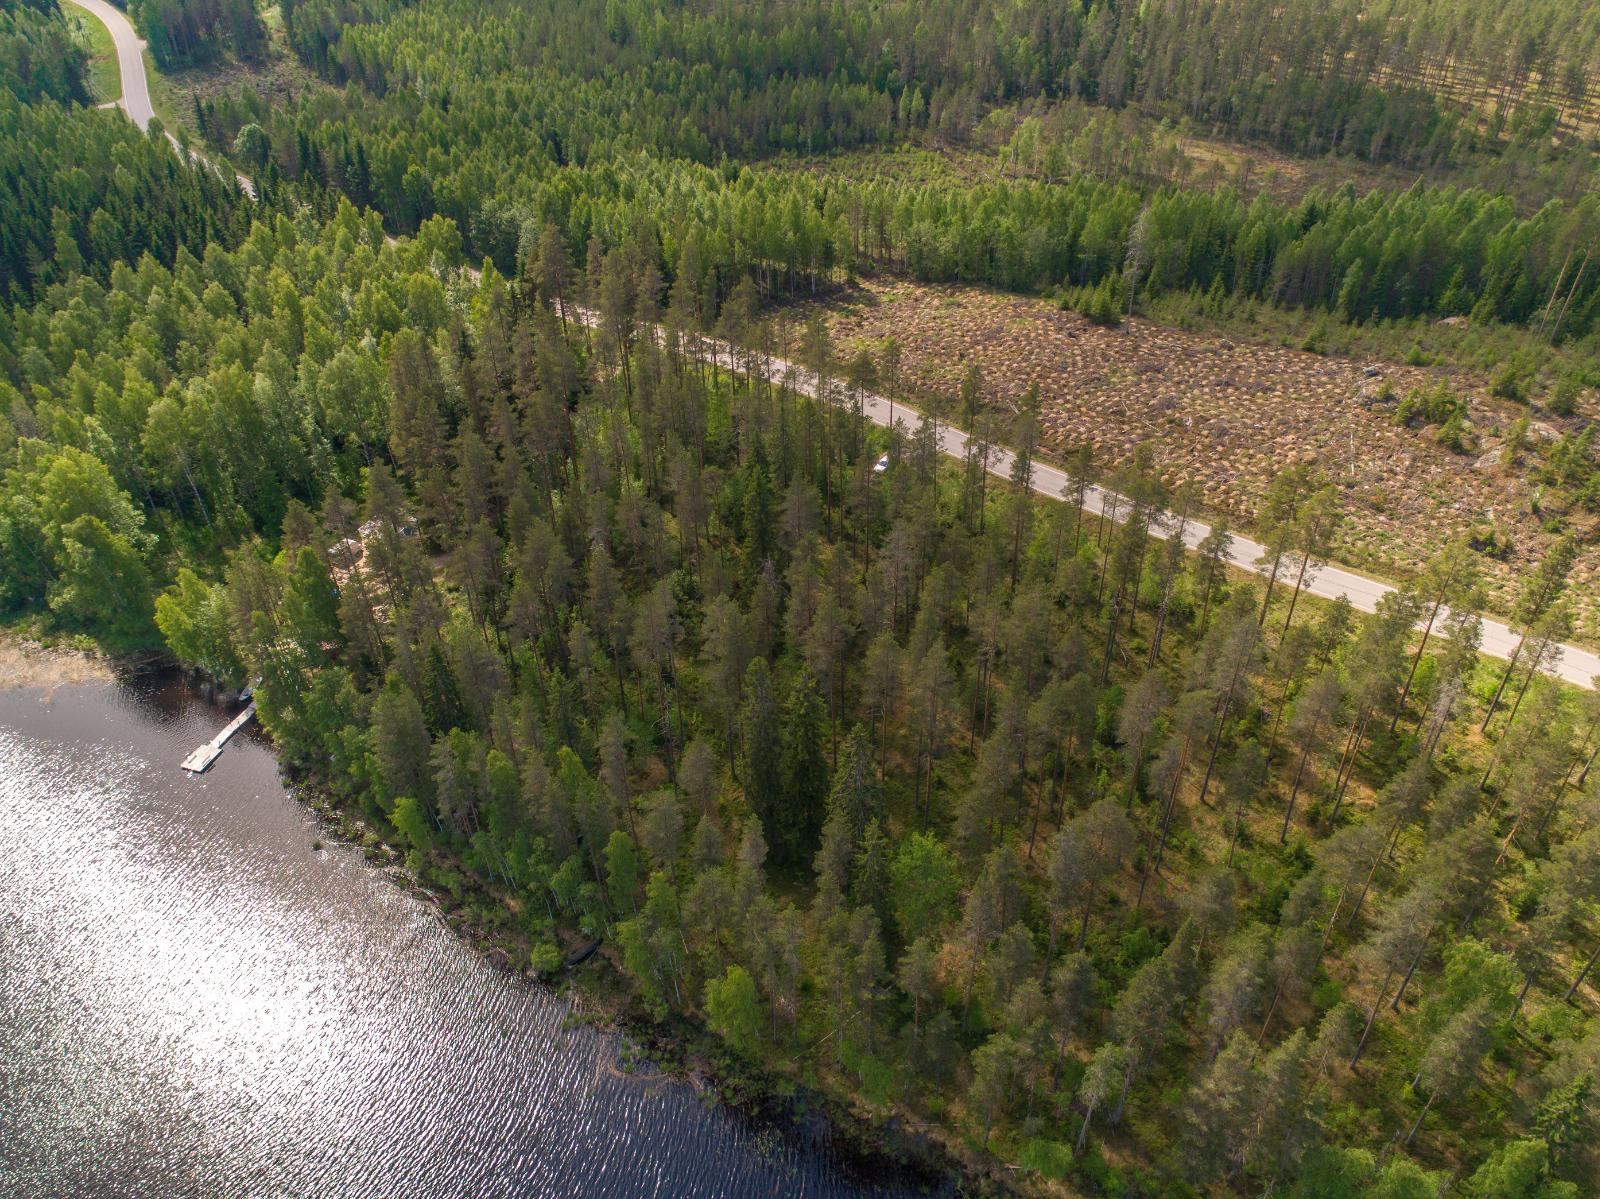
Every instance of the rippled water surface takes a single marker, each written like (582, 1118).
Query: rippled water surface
(194, 1002)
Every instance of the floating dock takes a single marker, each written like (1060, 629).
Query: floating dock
(200, 761)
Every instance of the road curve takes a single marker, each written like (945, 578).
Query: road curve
(135, 99)
(1576, 665)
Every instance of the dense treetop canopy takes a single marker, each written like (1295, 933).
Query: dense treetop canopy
(1105, 863)
(640, 119)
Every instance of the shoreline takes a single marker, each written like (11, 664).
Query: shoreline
(870, 1150)
(29, 664)
(866, 1148)
(594, 994)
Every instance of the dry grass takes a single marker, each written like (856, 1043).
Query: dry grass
(278, 79)
(1208, 163)
(1228, 416)
(1256, 170)
(25, 663)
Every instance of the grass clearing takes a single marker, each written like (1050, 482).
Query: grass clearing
(105, 78)
(277, 80)
(1200, 162)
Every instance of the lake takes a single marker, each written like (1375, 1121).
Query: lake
(196, 1002)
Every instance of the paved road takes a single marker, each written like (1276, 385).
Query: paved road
(135, 99)
(1576, 664)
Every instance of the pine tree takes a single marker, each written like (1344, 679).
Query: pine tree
(802, 773)
(762, 772)
(1107, 1069)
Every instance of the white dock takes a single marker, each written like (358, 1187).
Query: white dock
(200, 761)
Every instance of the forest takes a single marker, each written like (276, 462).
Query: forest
(38, 57)
(1057, 835)
(190, 32)
(1409, 80)
(1113, 869)
(668, 122)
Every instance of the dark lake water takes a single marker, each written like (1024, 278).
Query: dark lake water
(194, 1002)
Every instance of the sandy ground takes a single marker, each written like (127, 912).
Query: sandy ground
(29, 664)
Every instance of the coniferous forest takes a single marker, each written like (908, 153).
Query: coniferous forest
(1109, 868)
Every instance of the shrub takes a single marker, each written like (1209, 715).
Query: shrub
(1326, 993)
(1435, 406)
(733, 1011)
(1507, 385)
(1491, 541)
(1564, 399)
(1049, 1159)
(544, 958)
(1103, 305)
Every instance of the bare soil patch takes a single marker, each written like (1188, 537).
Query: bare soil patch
(26, 663)
(1228, 415)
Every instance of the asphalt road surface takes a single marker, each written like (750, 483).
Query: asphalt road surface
(135, 99)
